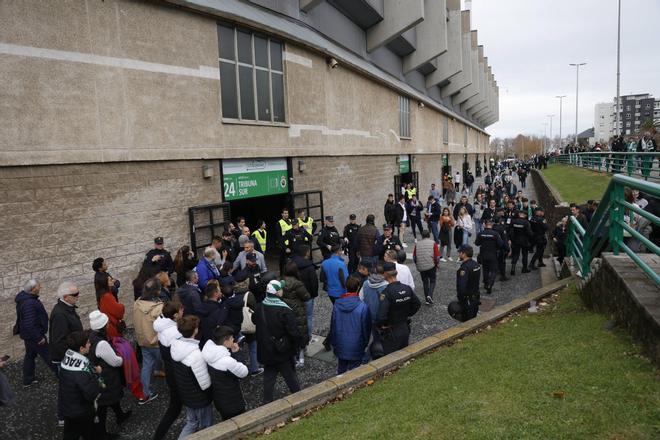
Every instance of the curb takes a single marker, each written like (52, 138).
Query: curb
(289, 406)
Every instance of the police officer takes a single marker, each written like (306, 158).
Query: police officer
(350, 242)
(521, 235)
(306, 222)
(467, 286)
(539, 238)
(295, 237)
(261, 236)
(490, 242)
(284, 225)
(398, 303)
(500, 227)
(387, 241)
(160, 257)
(328, 235)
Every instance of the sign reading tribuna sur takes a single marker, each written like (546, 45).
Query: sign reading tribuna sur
(243, 179)
(404, 163)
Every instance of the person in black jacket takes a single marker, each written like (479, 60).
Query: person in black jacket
(415, 209)
(500, 227)
(387, 242)
(102, 354)
(328, 235)
(310, 279)
(467, 286)
(349, 243)
(100, 266)
(389, 211)
(539, 230)
(79, 387)
(463, 204)
(213, 313)
(184, 261)
(278, 340)
(159, 256)
(190, 295)
(32, 326)
(521, 235)
(489, 242)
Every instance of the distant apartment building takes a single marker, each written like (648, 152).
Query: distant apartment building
(634, 110)
(603, 121)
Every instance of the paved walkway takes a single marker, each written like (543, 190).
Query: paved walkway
(39, 400)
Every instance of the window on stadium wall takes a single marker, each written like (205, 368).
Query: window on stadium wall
(404, 117)
(445, 129)
(251, 75)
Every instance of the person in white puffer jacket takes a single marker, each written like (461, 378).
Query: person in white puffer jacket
(225, 372)
(192, 377)
(166, 330)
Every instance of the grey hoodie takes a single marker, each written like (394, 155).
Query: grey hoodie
(370, 293)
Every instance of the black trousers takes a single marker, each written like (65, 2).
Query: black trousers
(75, 428)
(501, 263)
(270, 375)
(395, 337)
(416, 222)
(489, 269)
(102, 414)
(171, 414)
(538, 255)
(470, 306)
(516, 250)
(428, 281)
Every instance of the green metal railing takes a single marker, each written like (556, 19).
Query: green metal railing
(608, 229)
(641, 165)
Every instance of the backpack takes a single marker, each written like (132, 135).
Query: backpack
(247, 327)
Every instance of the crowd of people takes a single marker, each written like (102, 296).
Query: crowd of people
(191, 316)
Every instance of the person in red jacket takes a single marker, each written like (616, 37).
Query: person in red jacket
(108, 304)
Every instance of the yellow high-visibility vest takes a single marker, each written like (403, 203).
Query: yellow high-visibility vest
(411, 192)
(307, 225)
(261, 239)
(285, 225)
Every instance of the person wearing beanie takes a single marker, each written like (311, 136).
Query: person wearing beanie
(102, 354)
(79, 387)
(278, 339)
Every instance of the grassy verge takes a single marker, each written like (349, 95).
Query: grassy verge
(576, 184)
(555, 374)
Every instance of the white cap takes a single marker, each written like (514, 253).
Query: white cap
(97, 320)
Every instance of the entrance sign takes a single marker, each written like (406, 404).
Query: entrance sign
(248, 178)
(404, 163)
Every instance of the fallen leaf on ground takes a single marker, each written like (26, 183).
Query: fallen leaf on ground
(295, 419)
(558, 394)
(370, 382)
(281, 425)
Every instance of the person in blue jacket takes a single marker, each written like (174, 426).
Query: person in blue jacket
(351, 324)
(334, 274)
(32, 322)
(206, 268)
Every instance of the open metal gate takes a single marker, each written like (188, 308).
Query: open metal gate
(207, 221)
(312, 203)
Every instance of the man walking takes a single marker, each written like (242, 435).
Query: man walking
(366, 241)
(433, 212)
(350, 242)
(539, 230)
(426, 256)
(521, 234)
(415, 209)
(32, 322)
(490, 243)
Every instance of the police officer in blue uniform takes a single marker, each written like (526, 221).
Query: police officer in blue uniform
(467, 286)
(489, 242)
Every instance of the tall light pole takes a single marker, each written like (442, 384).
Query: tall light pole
(561, 97)
(618, 71)
(577, 95)
(551, 116)
(545, 135)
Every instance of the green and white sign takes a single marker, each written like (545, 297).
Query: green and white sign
(404, 163)
(244, 179)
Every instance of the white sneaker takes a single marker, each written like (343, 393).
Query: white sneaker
(450, 259)
(405, 245)
(443, 260)
(415, 240)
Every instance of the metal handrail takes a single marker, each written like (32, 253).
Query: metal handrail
(608, 221)
(645, 165)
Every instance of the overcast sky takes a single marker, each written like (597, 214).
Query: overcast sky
(529, 44)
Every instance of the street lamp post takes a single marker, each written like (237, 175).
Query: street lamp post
(618, 71)
(577, 95)
(551, 116)
(545, 135)
(561, 97)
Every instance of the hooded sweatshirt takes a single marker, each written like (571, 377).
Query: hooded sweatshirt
(351, 324)
(370, 294)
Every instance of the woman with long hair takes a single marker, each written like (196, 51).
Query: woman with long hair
(446, 225)
(184, 261)
(295, 296)
(108, 304)
(146, 271)
(465, 225)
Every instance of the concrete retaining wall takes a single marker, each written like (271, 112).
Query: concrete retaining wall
(551, 201)
(284, 409)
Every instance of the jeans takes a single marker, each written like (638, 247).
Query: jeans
(270, 374)
(478, 227)
(416, 222)
(466, 237)
(309, 312)
(428, 281)
(445, 251)
(32, 349)
(346, 365)
(60, 404)
(150, 358)
(434, 230)
(196, 420)
(254, 363)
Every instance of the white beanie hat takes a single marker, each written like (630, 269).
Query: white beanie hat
(97, 320)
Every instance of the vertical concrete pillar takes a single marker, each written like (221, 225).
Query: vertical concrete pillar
(473, 88)
(398, 17)
(449, 63)
(431, 36)
(463, 78)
